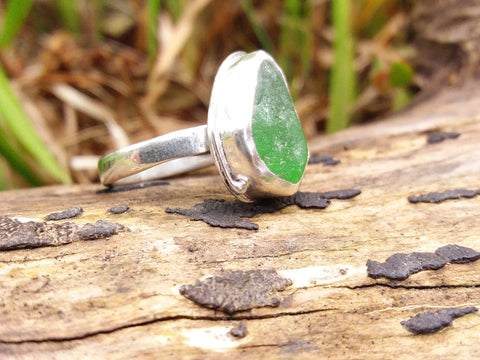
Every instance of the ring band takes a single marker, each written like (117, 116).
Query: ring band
(152, 159)
(253, 135)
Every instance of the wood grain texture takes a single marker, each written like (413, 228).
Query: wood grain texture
(118, 298)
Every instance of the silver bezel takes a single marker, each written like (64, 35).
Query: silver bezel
(230, 129)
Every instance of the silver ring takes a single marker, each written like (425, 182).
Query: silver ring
(253, 136)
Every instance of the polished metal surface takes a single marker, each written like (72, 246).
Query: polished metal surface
(152, 153)
(228, 136)
(230, 130)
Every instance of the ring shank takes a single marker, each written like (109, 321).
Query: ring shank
(163, 156)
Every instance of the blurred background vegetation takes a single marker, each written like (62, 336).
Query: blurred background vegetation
(81, 78)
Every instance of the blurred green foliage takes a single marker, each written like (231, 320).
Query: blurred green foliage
(15, 14)
(342, 76)
(20, 145)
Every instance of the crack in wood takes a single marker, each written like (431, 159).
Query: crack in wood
(291, 347)
(91, 334)
(264, 256)
(408, 287)
(25, 260)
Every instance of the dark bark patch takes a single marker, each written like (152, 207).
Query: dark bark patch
(456, 254)
(439, 137)
(325, 160)
(226, 214)
(239, 331)
(101, 229)
(341, 194)
(118, 209)
(400, 266)
(65, 214)
(18, 235)
(306, 200)
(437, 197)
(429, 322)
(237, 290)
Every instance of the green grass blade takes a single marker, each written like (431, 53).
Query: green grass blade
(20, 127)
(15, 15)
(3, 179)
(342, 76)
(174, 7)
(11, 153)
(400, 77)
(69, 14)
(401, 99)
(153, 8)
(295, 37)
(99, 16)
(259, 30)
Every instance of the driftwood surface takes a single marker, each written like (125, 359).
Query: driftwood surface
(118, 298)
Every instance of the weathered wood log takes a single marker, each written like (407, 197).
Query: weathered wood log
(119, 297)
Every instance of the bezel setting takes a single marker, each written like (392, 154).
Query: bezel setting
(229, 129)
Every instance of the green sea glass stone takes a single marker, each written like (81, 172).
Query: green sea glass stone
(276, 129)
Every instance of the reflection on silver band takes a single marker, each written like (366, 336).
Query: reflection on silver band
(167, 169)
(157, 158)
